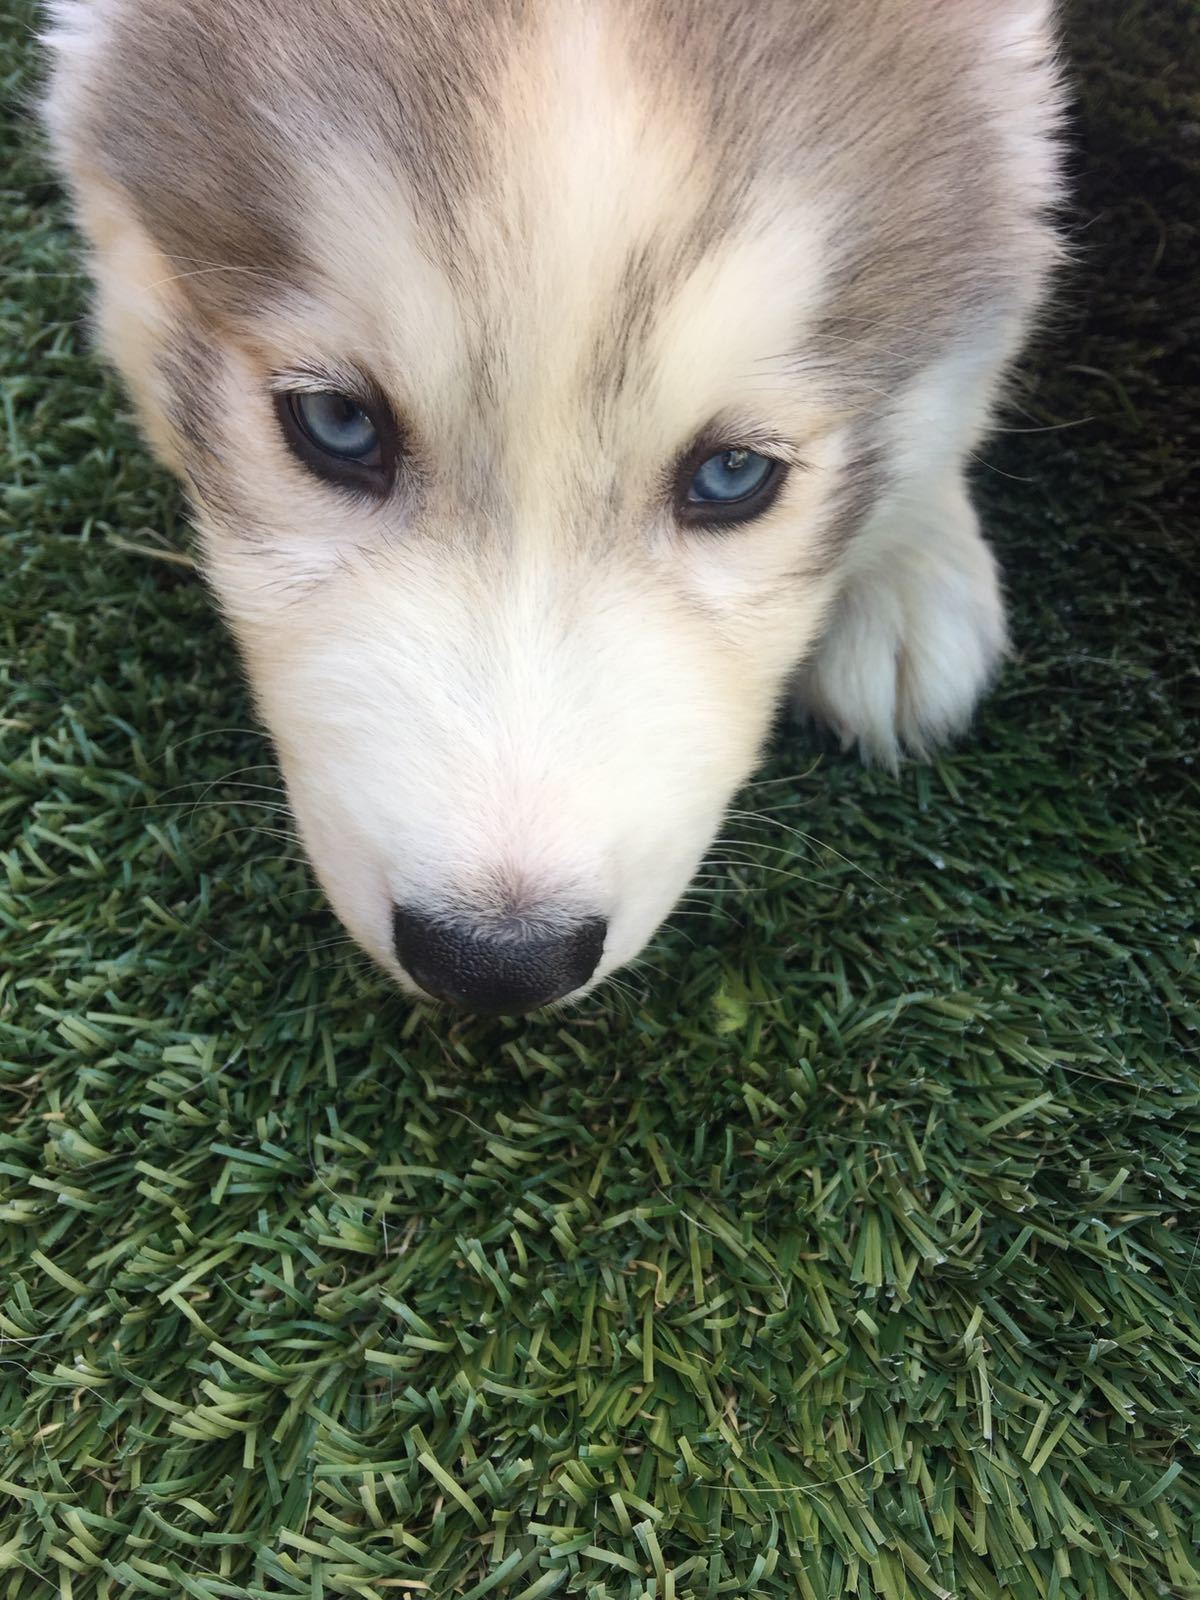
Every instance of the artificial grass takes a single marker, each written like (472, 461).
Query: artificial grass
(853, 1249)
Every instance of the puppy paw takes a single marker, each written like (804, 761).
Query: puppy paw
(915, 639)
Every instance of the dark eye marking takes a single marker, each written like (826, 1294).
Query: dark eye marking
(347, 439)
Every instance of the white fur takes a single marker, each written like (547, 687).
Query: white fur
(550, 703)
(918, 632)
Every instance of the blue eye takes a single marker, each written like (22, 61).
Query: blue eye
(730, 477)
(352, 443)
(730, 486)
(337, 425)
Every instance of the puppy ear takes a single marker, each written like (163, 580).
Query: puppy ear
(135, 304)
(1034, 13)
(74, 27)
(74, 39)
(1011, 33)
(1034, 20)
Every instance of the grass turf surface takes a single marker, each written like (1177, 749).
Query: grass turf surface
(853, 1251)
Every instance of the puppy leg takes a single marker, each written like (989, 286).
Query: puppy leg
(918, 630)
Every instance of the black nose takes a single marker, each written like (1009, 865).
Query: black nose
(503, 970)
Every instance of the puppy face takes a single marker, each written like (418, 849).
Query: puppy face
(533, 370)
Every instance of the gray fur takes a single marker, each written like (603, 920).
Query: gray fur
(188, 120)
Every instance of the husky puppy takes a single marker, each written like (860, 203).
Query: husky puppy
(557, 384)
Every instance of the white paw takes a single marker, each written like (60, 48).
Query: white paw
(916, 637)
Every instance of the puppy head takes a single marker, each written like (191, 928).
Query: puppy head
(531, 369)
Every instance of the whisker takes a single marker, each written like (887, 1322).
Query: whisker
(228, 806)
(788, 777)
(1049, 427)
(234, 779)
(275, 834)
(765, 866)
(809, 838)
(214, 733)
(1013, 477)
